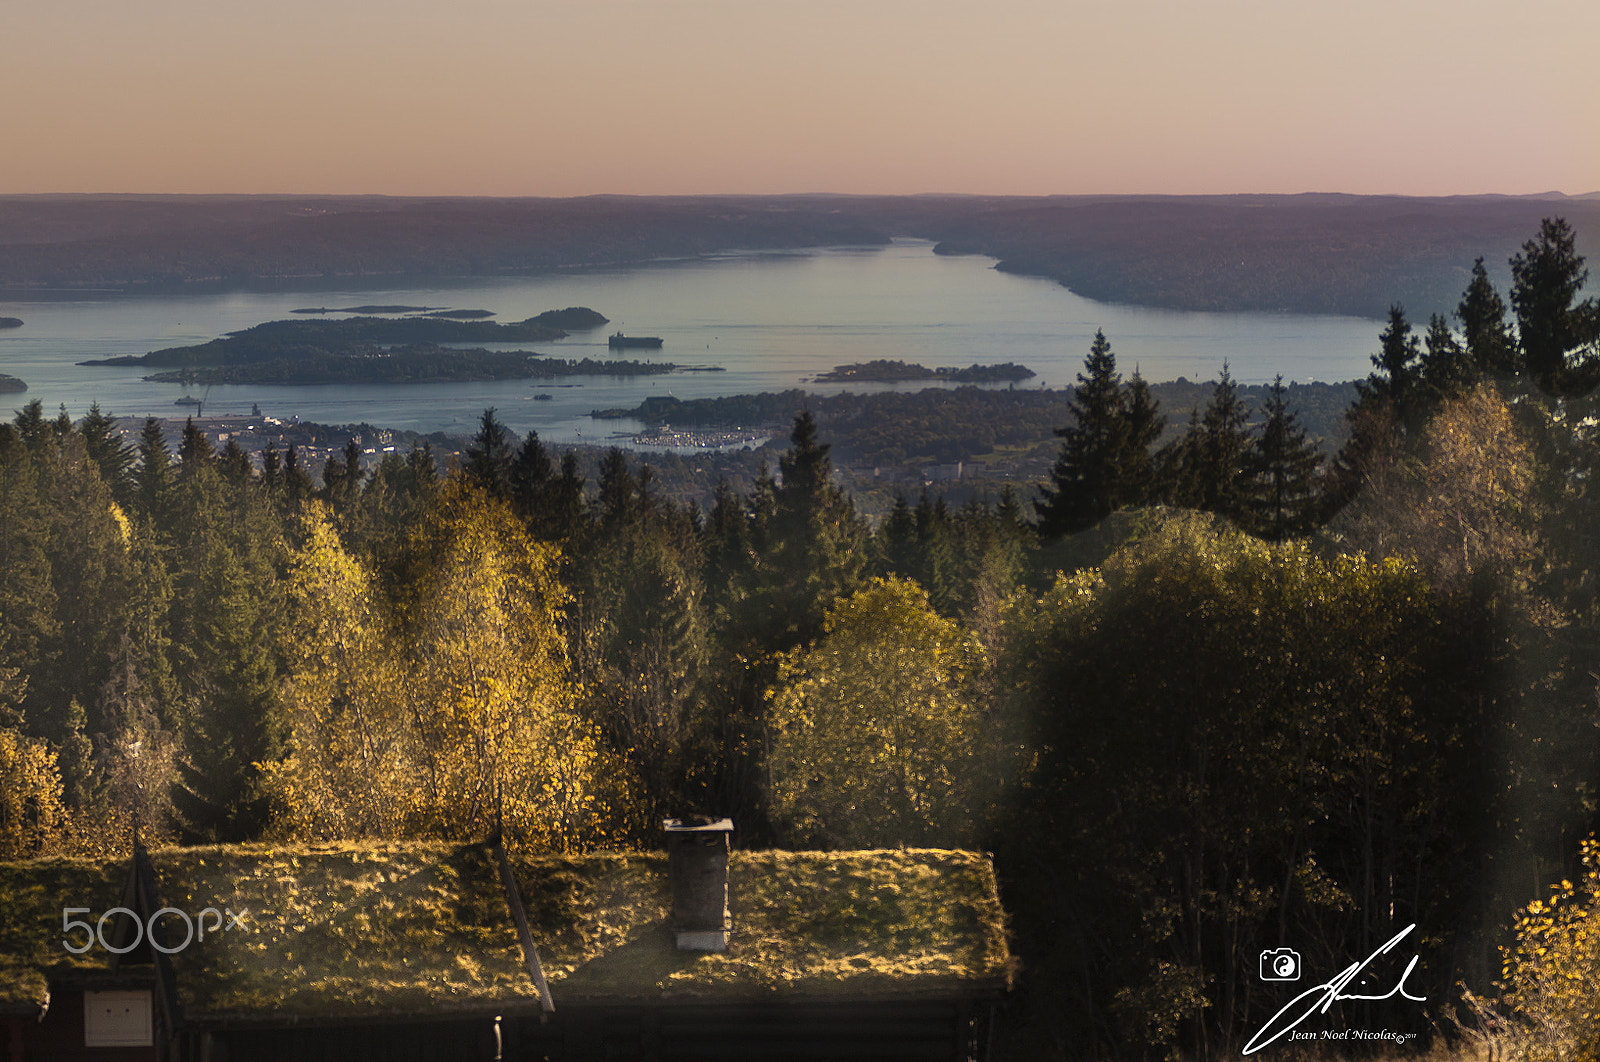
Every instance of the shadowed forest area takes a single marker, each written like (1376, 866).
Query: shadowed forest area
(1206, 693)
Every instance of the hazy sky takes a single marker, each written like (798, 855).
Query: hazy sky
(570, 97)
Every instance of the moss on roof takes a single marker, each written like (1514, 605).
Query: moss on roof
(907, 921)
(362, 930)
(33, 895)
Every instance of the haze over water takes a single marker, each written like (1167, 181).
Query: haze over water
(771, 320)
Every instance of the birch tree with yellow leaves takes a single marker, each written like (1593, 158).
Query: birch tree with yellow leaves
(447, 713)
(874, 736)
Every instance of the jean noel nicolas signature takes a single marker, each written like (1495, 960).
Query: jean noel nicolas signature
(1326, 995)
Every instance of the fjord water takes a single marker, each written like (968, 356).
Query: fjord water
(772, 321)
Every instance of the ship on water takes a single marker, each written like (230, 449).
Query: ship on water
(622, 342)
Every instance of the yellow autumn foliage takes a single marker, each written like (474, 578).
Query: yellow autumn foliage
(1549, 1007)
(873, 731)
(33, 820)
(444, 715)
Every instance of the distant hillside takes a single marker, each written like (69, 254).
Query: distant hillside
(166, 242)
(1337, 254)
(1301, 253)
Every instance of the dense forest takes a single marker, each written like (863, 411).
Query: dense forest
(1207, 692)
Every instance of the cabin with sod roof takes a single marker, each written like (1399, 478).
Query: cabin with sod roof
(422, 951)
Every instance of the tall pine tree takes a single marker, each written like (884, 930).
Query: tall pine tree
(1104, 464)
(1281, 498)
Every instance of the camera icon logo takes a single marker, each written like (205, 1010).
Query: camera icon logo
(1283, 964)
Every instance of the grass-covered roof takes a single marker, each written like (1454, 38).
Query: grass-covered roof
(32, 896)
(357, 930)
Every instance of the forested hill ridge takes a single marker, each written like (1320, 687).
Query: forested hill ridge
(1292, 253)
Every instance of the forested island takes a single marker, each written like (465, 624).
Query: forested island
(10, 384)
(885, 371)
(380, 350)
(10, 322)
(274, 340)
(414, 364)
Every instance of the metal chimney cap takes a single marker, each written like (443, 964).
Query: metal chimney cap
(698, 824)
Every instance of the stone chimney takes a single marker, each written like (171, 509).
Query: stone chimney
(697, 864)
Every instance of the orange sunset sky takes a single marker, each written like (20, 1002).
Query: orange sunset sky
(572, 97)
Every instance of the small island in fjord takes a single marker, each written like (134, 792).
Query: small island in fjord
(10, 322)
(377, 350)
(10, 385)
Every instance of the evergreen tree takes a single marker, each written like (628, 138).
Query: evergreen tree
(897, 539)
(616, 504)
(1104, 463)
(297, 485)
(936, 567)
(155, 476)
(490, 456)
(113, 457)
(1552, 327)
(1397, 375)
(727, 550)
(1216, 453)
(1483, 319)
(1447, 368)
(1281, 497)
(532, 487)
(271, 477)
(234, 464)
(817, 546)
(30, 423)
(1144, 423)
(566, 499)
(194, 450)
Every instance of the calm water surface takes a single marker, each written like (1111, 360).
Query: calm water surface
(772, 321)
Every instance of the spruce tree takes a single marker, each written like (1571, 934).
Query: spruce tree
(297, 485)
(113, 457)
(1104, 464)
(616, 504)
(1216, 452)
(194, 450)
(490, 456)
(1397, 376)
(815, 545)
(936, 567)
(1281, 496)
(1552, 327)
(532, 479)
(1482, 314)
(155, 477)
(1446, 368)
(897, 539)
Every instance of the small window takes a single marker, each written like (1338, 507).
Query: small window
(117, 1019)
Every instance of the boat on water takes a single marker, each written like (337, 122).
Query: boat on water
(622, 342)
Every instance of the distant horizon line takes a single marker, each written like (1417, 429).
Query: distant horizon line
(1549, 194)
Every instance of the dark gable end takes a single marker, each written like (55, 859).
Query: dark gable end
(342, 949)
